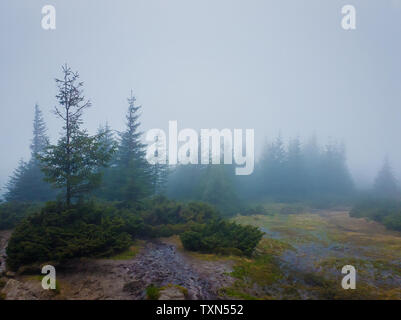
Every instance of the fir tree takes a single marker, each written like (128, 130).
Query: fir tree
(385, 184)
(132, 180)
(74, 164)
(27, 182)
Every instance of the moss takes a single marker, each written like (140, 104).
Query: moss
(236, 293)
(152, 292)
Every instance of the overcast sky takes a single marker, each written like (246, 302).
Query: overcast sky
(276, 66)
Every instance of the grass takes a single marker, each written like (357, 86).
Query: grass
(272, 208)
(130, 253)
(327, 240)
(152, 292)
(255, 274)
(294, 228)
(367, 245)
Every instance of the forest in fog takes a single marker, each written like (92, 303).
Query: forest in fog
(294, 170)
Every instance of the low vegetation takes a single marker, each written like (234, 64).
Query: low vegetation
(222, 237)
(385, 211)
(58, 232)
(13, 212)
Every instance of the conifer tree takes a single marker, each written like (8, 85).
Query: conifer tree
(27, 182)
(385, 184)
(74, 164)
(132, 179)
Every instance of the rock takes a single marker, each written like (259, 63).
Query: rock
(16, 290)
(134, 287)
(27, 290)
(172, 293)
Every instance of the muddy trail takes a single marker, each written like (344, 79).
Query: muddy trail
(161, 264)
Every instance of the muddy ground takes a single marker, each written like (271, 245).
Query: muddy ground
(159, 263)
(309, 250)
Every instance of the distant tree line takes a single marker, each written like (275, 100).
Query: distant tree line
(111, 166)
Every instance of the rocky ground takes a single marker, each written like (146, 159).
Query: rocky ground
(308, 253)
(159, 263)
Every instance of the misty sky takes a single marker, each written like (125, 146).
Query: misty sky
(275, 66)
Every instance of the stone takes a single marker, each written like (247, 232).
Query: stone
(171, 293)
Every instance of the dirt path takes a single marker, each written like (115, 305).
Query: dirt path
(161, 264)
(158, 263)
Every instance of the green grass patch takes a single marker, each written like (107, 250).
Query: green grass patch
(152, 292)
(130, 253)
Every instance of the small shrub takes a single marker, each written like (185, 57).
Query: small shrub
(222, 236)
(152, 292)
(385, 211)
(11, 213)
(57, 233)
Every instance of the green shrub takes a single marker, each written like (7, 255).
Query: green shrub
(13, 212)
(161, 211)
(220, 236)
(57, 233)
(152, 292)
(386, 211)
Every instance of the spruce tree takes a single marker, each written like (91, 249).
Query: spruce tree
(16, 185)
(385, 184)
(74, 164)
(133, 172)
(40, 139)
(27, 182)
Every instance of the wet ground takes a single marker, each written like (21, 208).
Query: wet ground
(159, 263)
(309, 249)
(325, 241)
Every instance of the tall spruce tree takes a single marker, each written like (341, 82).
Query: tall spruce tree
(74, 164)
(132, 180)
(27, 182)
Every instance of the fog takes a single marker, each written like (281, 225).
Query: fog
(274, 66)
